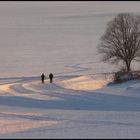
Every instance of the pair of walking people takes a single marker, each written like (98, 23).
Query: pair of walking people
(50, 77)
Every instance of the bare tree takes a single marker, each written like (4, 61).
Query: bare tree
(121, 41)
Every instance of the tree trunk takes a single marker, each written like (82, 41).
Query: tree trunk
(128, 63)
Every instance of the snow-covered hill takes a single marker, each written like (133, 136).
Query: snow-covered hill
(72, 107)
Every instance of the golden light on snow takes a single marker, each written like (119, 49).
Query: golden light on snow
(27, 90)
(17, 124)
(6, 88)
(84, 83)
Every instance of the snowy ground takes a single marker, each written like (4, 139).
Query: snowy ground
(62, 38)
(71, 107)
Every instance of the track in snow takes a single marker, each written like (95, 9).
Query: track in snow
(30, 92)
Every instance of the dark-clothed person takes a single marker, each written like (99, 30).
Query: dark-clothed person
(42, 78)
(51, 77)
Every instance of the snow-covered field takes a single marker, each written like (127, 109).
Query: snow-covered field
(67, 109)
(62, 38)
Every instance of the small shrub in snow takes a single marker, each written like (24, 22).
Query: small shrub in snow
(126, 77)
(117, 77)
(136, 74)
(122, 76)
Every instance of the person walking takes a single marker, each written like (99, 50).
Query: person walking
(42, 78)
(51, 77)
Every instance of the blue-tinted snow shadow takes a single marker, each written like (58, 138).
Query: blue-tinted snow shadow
(88, 101)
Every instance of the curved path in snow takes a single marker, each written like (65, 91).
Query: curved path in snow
(27, 104)
(71, 92)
